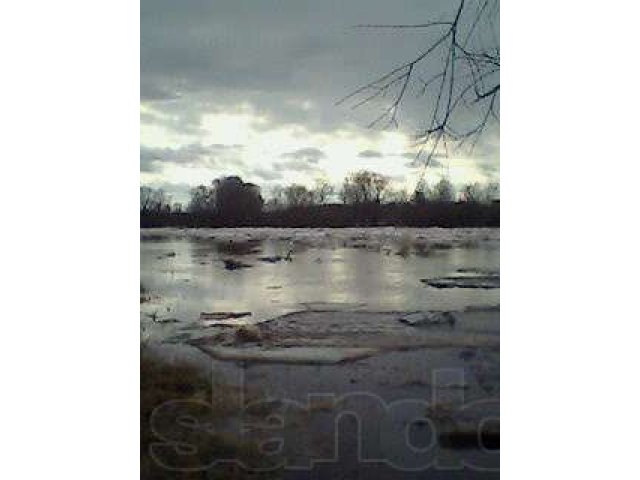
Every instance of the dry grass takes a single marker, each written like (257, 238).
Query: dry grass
(145, 296)
(162, 382)
(322, 406)
(248, 334)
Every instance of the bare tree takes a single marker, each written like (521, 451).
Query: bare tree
(392, 195)
(443, 191)
(481, 193)
(154, 201)
(380, 183)
(235, 199)
(473, 192)
(364, 186)
(298, 195)
(146, 196)
(457, 73)
(422, 192)
(322, 191)
(277, 199)
(202, 200)
(492, 191)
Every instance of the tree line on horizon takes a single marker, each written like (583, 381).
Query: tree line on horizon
(231, 197)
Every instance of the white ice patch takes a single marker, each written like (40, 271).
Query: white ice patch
(366, 237)
(297, 355)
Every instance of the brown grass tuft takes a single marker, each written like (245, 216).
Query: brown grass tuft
(162, 382)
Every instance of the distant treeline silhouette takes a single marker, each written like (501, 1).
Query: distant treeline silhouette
(365, 199)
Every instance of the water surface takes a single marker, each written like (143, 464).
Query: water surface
(184, 275)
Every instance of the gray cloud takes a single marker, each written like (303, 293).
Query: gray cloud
(298, 166)
(489, 168)
(183, 121)
(289, 61)
(265, 174)
(192, 155)
(370, 154)
(303, 160)
(152, 92)
(487, 156)
(308, 154)
(201, 54)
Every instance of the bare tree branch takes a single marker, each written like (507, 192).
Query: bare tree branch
(463, 96)
(418, 25)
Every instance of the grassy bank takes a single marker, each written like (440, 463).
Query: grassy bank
(176, 412)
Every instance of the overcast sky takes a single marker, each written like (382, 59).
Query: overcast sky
(249, 88)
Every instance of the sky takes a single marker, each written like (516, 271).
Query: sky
(249, 88)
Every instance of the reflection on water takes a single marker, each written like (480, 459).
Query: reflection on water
(194, 280)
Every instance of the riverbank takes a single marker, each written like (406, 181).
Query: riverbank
(431, 214)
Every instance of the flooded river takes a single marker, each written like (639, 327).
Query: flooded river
(397, 328)
(380, 269)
